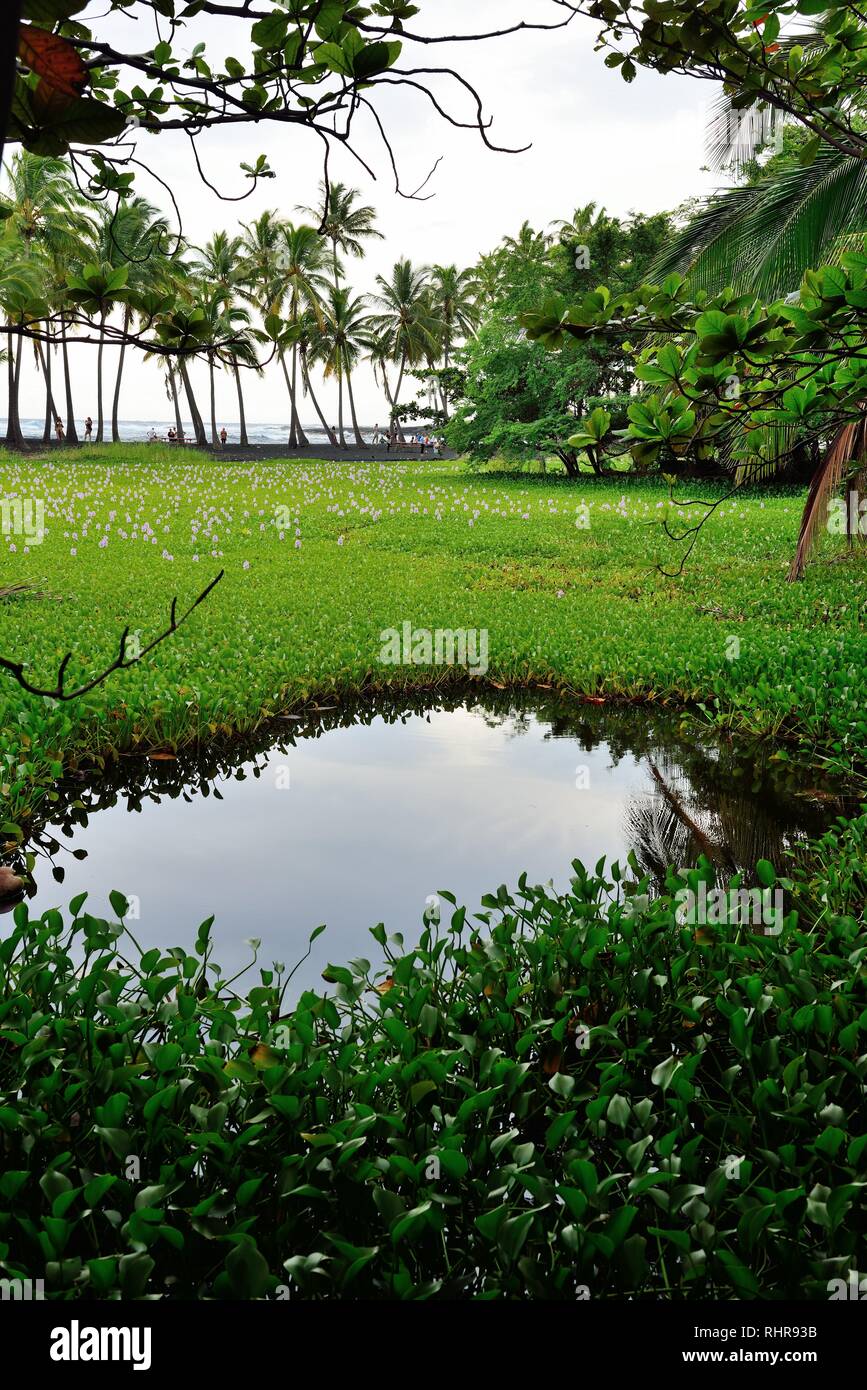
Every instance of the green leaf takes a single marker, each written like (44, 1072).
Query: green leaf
(766, 873)
(50, 12)
(247, 1270)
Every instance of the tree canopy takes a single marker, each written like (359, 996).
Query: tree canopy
(316, 64)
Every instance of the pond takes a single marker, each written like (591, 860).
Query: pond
(354, 816)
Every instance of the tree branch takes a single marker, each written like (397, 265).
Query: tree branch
(120, 663)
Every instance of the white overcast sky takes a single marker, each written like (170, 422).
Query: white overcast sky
(628, 148)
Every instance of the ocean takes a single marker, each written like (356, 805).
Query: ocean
(257, 433)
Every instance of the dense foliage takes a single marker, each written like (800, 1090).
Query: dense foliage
(518, 402)
(565, 1097)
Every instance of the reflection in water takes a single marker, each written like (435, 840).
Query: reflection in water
(353, 816)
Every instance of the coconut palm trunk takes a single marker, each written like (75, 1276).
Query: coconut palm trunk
(293, 414)
(447, 354)
(396, 402)
(115, 409)
(340, 430)
(303, 441)
(359, 437)
(14, 437)
(214, 439)
(305, 375)
(195, 414)
(173, 387)
(71, 430)
(100, 412)
(241, 411)
(50, 408)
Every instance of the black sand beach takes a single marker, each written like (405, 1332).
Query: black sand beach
(235, 453)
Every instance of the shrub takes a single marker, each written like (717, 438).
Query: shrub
(570, 1096)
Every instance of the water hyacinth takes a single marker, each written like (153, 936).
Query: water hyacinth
(175, 518)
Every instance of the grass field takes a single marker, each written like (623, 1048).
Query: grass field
(320, 558)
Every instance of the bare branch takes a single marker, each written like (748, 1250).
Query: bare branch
(121, 662)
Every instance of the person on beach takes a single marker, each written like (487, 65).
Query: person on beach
(223, 436)
(88, 429)
(58, 429)
(172, 436)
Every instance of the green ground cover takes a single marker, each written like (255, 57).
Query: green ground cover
(321, 558)
(558, 1097)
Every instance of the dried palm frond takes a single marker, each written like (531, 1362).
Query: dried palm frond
(849, 446)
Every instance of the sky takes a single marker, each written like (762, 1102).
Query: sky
(637, 147)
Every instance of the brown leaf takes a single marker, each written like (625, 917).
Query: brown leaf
(54, 59)
(386, 985)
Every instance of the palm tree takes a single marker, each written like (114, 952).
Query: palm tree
(340, 344)
(299, 289)
(48, 213)
(221, 331)
(343, 223)
(136, 235)
(488, 275)
(454, 298)
(130, 237)
(221, 266)
(761, 238)
(305, 334)
(406, 320)
(347, 225)
(21, 290)
(183, 330)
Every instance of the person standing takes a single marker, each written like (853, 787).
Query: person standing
(223, 436)
(88, 429)
(58, 429)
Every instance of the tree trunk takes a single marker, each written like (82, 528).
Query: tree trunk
(71, 430)
(359, 438)
(446, 360)
(115, 431)
(50, 408)
(241, 411)
(100, 413)
(303, 441)
(305, 372)
(388, 396)
(173, 387)
(340, 430)
(14, 437)
(396, 402)
(195, 415)
(293, 415)
(214, 439)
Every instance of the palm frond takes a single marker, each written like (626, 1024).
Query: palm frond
(849, 445)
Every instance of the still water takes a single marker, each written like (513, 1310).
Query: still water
(354, 817)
